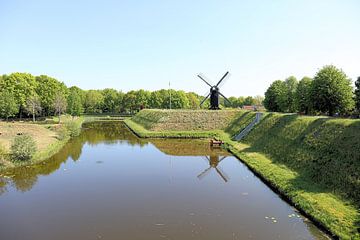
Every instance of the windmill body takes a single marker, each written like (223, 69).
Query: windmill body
(214, 93)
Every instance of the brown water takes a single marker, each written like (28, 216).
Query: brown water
(109, 184)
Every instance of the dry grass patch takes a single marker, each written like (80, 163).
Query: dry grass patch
(42, 134)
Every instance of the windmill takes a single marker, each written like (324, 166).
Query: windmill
(214, 162)
(214, 92)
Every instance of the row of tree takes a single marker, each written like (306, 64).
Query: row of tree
(330, 92)
(23, 93)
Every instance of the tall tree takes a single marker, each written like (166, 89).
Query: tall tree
(258, 100)
(193, 100)
(110, 100)
(332, 91)
(274, 96)
(60, 104)
(155, 100)
(21, 85)
(287, 99)
(74, 102)
(94, 101)
(129, 101)
(357, 94)
(8, 105)
(33, 106)
(249, 100)
(303, 92)
(47, 89)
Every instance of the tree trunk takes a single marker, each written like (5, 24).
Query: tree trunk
(33, 113)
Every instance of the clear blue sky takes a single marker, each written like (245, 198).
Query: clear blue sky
(145, 44)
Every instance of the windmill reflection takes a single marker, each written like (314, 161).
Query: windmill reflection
(214, 161)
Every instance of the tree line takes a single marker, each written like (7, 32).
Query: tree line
(23, 94)
(329, 92)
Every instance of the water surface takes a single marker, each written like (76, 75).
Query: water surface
(109, 184)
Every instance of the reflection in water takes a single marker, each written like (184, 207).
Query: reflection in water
(112, 133)
(109, 184)
(214, 161)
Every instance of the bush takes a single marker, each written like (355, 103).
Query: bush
(62, 133)
(73, 127)
(23, 147)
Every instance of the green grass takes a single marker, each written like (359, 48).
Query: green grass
(311, 161)
(185, 120)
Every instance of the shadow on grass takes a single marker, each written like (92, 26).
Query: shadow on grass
(324, 150)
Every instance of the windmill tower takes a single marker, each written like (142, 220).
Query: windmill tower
(214, 92)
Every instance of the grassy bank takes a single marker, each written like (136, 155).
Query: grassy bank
(313, 162)
(49, 139)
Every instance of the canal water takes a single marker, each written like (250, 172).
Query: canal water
(109, 184)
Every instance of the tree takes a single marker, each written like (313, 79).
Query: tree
(142, 98)
(94, 101)
(129, 101)
(258, 100)
(155, 100)
(8, 105)
(288, 98)
(357, 94)
(249, 100)
(193, 100)
(21, 85)
(303, 91)
(110, 100)
(331, 91)
(178, 100)
(60, 104)
(23, 147)
(274, 95)
(74, 102)
(33, 106)
(47, 89)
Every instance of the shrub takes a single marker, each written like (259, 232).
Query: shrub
(62, 133)
(73, 127)
(23, 147)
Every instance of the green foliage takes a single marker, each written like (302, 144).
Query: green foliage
(74, 102)
(48, 89)
(357, 94)
(193, 99)
(73, 127)
(332, 91)
(21, 85)
(94, 101)
(275, 96)
(258, 100)
(8, 105)
(288, 99)
(33, 106)
(303, 95)
(63, 133)
(112, 100)
(60, 104)
(23, 147)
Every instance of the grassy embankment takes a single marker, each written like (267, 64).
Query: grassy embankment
(48, 135)
(314, 162)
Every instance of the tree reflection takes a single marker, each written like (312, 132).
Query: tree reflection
(109, 133)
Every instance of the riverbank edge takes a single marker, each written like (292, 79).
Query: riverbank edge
(45, 154)
(277, 179)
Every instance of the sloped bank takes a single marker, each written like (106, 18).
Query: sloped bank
(312, 162)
